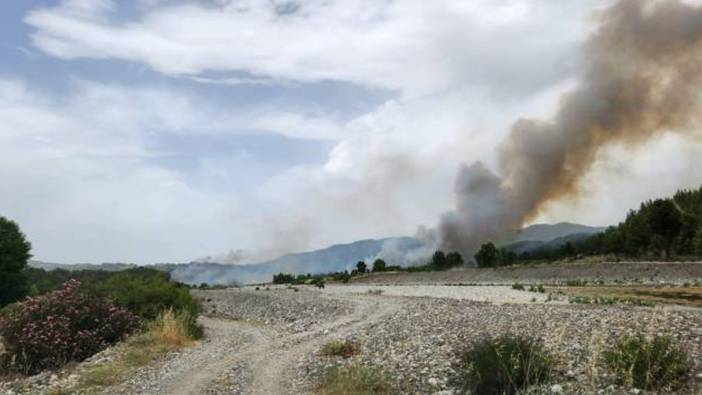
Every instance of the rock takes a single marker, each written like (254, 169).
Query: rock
(556, 389)
(433, 381)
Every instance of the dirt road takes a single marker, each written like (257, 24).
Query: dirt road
(254, 358)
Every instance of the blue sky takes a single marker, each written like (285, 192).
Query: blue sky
(154, 130)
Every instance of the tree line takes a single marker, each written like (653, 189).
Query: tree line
(658, 229)
(439, 261)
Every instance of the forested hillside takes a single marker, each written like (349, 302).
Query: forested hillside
(660, 228)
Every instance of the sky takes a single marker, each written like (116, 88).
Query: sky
(165, 131)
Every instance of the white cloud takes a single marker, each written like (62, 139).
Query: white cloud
(78, 182)
(410, 46)
(463, 72)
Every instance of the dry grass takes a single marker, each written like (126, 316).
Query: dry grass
(686, 296)
(171, 329)
(169, 332)
(341, 348)
(354, 380)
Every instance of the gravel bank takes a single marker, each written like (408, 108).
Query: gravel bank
(646, 272)
(291, 309)
(494, 294)
(417, 345)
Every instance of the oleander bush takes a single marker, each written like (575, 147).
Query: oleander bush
(504, 365)
(654, 364)
(65, 325)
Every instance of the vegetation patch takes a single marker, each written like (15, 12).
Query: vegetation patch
(169, 332)
(66, 325)
(504, 365)
(654, 364)
(639, 295)
(341, 348)
(354, 380)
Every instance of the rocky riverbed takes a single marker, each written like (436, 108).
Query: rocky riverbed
(268, 341)
(419, 344)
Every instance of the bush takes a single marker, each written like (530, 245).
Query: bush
(518, 287)
(651, 365)
(354, 380)
(341, 348)
(65, 325)
(504, 365)
(147, 292)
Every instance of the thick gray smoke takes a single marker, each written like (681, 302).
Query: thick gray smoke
(641, 78)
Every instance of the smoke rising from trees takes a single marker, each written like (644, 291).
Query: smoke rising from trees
(641, 78)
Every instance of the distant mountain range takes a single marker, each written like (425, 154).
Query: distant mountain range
(338, 257)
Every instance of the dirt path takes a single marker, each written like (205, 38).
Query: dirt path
(266, 359)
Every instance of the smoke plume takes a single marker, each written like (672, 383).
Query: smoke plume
(642, 74)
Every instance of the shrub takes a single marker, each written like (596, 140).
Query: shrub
(576, 283)
(354, 380)
(651, 365)
(539, 288)
(341, 348)
(518, 286)
(146, 292)
(65, 325)
(503, 365)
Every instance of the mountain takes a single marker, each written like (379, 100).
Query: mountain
(547, 232)
(520, 247)
(338, 257)
(109, 267)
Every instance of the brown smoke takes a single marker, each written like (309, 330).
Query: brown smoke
(641, 78)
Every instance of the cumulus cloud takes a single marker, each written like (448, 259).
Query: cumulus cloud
(409, 46)
(457, 74)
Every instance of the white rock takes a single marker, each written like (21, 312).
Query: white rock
(433, 381)
(556, 389)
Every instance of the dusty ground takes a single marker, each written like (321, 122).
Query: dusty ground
(619, 272)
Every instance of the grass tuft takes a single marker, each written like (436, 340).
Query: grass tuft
(354, 380)
(504, 365)
(654, 364)
(341, 348)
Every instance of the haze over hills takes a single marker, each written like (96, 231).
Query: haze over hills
(341, 257)
(338, 257)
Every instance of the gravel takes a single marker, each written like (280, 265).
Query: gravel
(495, 294)
(418, 345)
(414, 338)
(609, 272)
(293, 309)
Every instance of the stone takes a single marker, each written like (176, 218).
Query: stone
(556, 389)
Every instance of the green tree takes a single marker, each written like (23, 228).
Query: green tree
(487, 255)
(697, 243)
(361, 267)
(438, 260)
(14, 254)
(665, 221)
(379, 265)
(454, 259)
